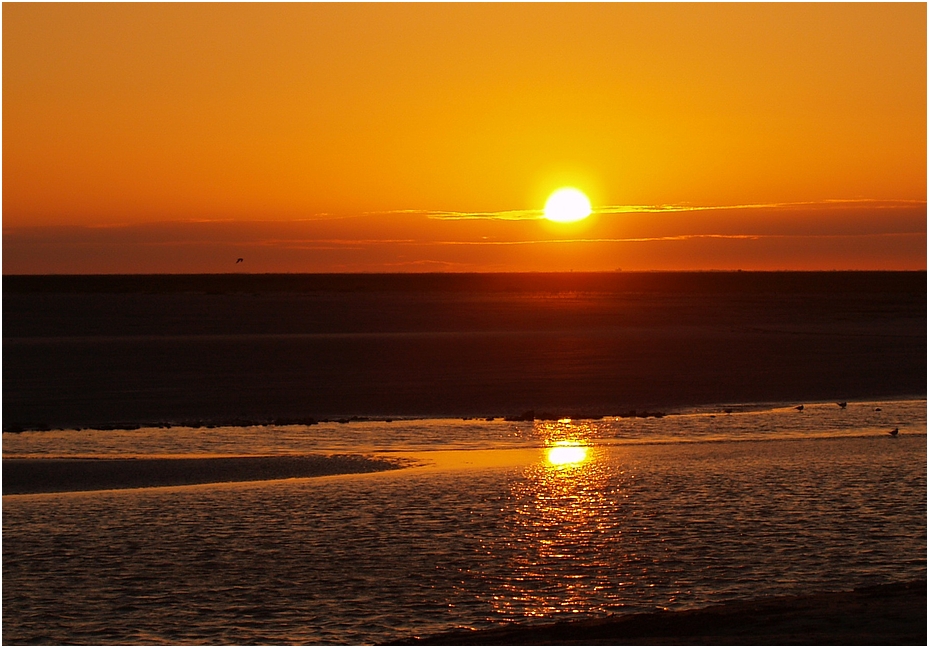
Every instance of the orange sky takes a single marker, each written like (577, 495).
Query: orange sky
(356, 137)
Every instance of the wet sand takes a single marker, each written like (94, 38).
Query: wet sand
(111, 351)
(893, 614)
(22, 476)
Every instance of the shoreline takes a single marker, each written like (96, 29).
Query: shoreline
(888, 614)
(527, 416)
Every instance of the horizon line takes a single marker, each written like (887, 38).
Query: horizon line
(460, 272)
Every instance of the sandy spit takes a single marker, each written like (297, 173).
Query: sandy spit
(21, 476)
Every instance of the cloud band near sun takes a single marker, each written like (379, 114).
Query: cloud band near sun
(537, 214)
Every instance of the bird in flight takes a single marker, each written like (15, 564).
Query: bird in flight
(239, 260)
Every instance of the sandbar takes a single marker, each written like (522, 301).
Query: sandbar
(23, 476)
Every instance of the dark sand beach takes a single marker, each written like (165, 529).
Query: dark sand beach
(21, 476)
(893, 614)
(99, 351)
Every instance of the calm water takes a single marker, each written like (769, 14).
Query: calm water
(499, 522)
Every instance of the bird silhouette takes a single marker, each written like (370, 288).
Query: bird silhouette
(799, 408)
(843, 405)
(894, 432)
(239, 260)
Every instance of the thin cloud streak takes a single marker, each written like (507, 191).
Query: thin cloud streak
(683, 237)
(538, 214)
(336, 244)
(509, 215)
(359, 244)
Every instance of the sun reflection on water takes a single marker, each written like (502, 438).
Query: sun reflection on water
(566, 455)
(560, 509)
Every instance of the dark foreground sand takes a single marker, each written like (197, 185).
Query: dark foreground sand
(112, 351)
(893, 614)
(21, 476)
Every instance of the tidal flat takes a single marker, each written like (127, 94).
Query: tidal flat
(123, 351)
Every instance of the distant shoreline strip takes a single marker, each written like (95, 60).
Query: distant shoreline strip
(552, 414)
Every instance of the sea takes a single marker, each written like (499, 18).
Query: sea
(484, 521)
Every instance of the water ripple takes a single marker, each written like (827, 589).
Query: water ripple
(621, 527)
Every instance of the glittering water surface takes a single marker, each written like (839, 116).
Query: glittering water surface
(500, 522)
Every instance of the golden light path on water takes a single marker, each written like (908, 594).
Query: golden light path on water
(561, 508)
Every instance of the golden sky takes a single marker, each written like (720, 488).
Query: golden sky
(410, 137)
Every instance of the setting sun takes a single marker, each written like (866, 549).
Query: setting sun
(567, 205)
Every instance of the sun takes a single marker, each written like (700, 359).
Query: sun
(567, 205)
